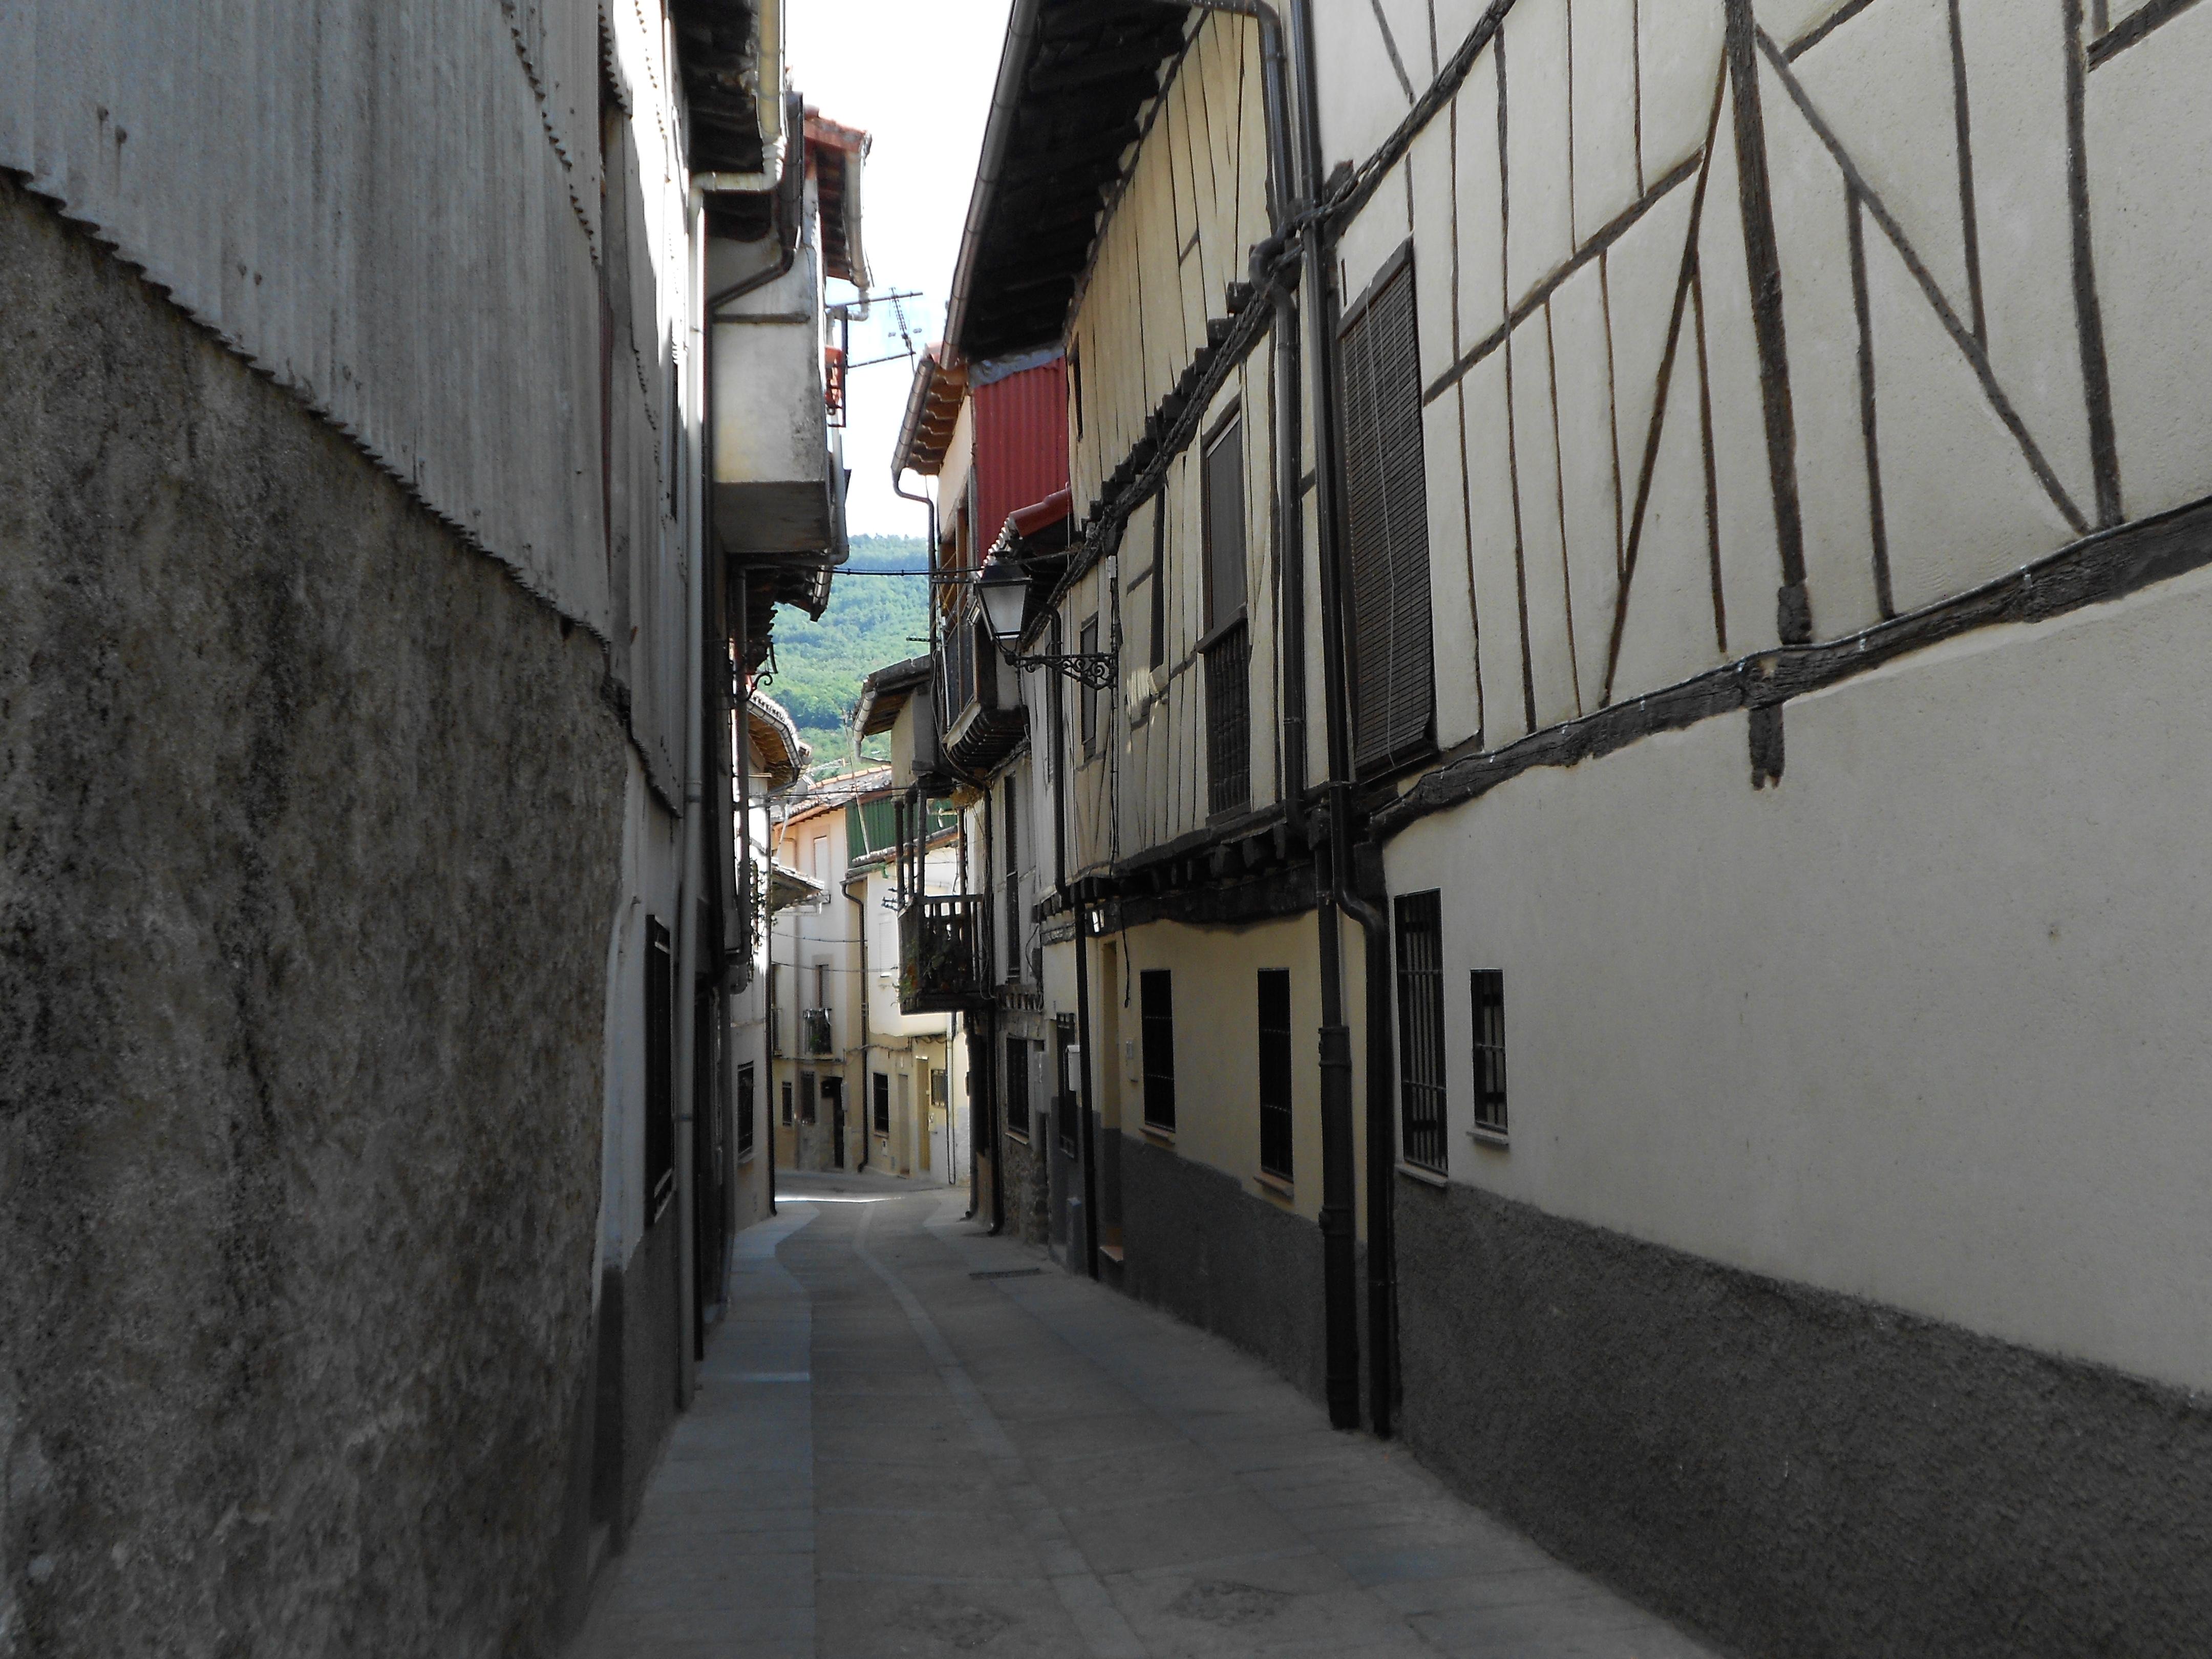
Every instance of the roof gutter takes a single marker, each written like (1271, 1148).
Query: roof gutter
(1013, 62)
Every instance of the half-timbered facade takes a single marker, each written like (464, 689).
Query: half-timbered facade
(1682, 524)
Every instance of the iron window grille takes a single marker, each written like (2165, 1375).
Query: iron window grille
(745, 1111)
(1229, 719)
(786, 1103)
(1018, 1086)
(806, 1098)
(1155, 995)
(1421, 1029)
(660, 1070)
(1487, 989)
(1275, 1072)
(880, 1085)
(815, 1024)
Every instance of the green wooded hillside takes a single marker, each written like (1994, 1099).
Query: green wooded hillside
(871, 621)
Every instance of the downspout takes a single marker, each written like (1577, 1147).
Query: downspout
(1382, 1173)
(1298, 175)
(1337, 1212)
(1288, 199)
(1089, 1141)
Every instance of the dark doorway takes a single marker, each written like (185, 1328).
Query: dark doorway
(833, 1090)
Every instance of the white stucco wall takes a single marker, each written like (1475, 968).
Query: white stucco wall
(1924, 1023)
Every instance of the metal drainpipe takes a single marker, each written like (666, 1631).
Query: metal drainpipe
(1288, 197)
(1089, 1141)
(1297, 174)
(1338, 1220)
(1382, 1168)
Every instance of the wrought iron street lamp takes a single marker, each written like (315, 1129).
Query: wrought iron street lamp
(1004, 586)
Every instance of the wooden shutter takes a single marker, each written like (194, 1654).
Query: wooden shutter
(1387, 529)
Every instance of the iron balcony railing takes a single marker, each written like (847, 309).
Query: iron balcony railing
(814, 1030)
(944, 953)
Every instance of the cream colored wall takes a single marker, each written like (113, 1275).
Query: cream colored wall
(1544, 335)
(1926, 1023)
(1200, 171)
(1217, 1021)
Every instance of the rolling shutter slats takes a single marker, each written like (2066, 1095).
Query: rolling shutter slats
(1386, 513)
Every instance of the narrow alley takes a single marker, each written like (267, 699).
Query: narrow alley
(914, 1439)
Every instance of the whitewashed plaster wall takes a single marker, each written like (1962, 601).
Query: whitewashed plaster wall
(1924, 1023)
(1965, 386)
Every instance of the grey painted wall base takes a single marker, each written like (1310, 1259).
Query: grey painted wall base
(1226, 1260)
(639, 1356)
(1796, 1473)
(309, 822)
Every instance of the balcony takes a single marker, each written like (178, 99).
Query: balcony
(944, 954)
(814, 1031)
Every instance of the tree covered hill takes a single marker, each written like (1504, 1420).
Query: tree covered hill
(871, 621)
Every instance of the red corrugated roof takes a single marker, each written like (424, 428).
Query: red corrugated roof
(1021, 443)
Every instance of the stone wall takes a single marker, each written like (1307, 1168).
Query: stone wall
(1796, 1473)
(308, 835)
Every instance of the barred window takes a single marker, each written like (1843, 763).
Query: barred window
(1156, 993)
(1487, 989)
(1421, 1030)
(1018, 1086)
(745, 1111)
(659, 1070)
(1275, 1071)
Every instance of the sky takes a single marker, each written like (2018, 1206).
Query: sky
(923, 93)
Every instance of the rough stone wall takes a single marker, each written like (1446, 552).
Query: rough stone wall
(1029, 1199)
(309, 826)
(1796, 1473)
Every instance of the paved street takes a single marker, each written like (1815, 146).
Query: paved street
(909, 1440)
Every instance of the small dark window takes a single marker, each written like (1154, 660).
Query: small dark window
(1089, 696)
(1228, 636)
(1017, 1085)
(806, 1102)
(880, 1085)
(1155, 993)
(1275, 1071)
(786, 1103)
(745, 1111)
(1010, 821)
(1421, 1029)
(1075, 381)
(1064, 1053)
(660, 1070)
(1487, 987)
(1222, 485)
(1158, 645)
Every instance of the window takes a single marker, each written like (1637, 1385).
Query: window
(1089, 647)
(806, 1098)
(1228, 636)
(1156, 998)
(660, 1070)
(1066, 1053)
(1386, 519)
(1075, 380)
(745, 1111)
(1487, 989)
(1223, 484)
(1018, 1086)
(1014, 868)
(786, 1103)
(1421, 1030)
(1158, 642)
(820, 855)
(1275, 1071)
(880, 1085)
